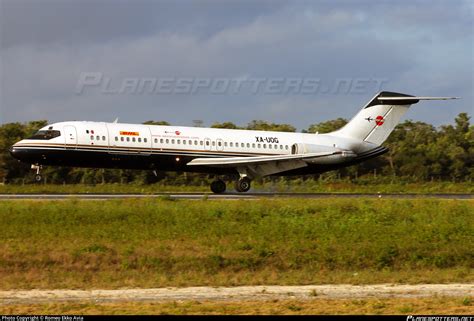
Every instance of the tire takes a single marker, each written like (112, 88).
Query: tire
(243, 185)
(218, 187)
(38, 178)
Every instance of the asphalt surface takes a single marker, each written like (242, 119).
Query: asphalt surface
(240, 293)
(229, 196)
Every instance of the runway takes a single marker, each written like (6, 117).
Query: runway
(240, 293)
(231, 196)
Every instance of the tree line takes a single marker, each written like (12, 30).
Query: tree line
(417, 152)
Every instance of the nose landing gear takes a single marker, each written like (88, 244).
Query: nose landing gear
(38, 176)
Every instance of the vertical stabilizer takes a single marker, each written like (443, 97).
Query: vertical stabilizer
(378, 118)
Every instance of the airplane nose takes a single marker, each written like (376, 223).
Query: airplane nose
(14, 152)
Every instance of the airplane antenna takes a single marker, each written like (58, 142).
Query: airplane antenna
(116, 120)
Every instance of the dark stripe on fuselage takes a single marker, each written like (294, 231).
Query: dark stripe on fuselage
(103, 159)
(166, 160)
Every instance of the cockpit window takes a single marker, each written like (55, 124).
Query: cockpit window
(46, 134)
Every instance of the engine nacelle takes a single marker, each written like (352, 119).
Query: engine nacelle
(310, 148)
(340, 156)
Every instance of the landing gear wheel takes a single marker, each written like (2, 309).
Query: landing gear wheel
(218, 186)
(242, 185)
(38, 177)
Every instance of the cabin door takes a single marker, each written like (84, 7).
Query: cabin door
(70, 136)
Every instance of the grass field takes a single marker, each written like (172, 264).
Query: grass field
(161, 242)
(294, 186)
(434, 305)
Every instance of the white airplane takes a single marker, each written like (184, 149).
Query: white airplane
(241, 155)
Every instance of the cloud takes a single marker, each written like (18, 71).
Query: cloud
(159, 39)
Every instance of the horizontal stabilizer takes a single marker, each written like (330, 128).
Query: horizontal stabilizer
(417, 98)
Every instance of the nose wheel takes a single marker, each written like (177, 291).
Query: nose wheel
(218, 186)
(38, 177)
(242, 185)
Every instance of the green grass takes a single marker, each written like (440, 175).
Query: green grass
(296, 185)
(159, 242)
(432, 305)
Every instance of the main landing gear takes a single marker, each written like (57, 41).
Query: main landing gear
(242, 185)
(218, 186)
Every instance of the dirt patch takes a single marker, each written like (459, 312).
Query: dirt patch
(241, 293)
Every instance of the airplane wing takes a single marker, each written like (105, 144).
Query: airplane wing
(262, 165)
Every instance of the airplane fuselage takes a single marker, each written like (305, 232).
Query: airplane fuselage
(241, 154)
(170, 148)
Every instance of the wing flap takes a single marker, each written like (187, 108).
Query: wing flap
(259, 166)
(239, 161)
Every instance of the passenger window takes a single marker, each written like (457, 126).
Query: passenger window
(184, 141)
(281, 146)
(253, 145)
(259, 145)
(219, 144)
(156, 140)
(121, 139)
(195, 142)
(201, 143)
(139, 139)
(144, 140)
(167, 141)
(87, 131)
(231, 144)
(161, 140)
(207, 143)
(286, 147)
(248, 145)
(213, 143)
(264, 145)
(225, 144)
(128, 139)
(116, 138)
(172, 141)
(270, 146)
(133, 139)
(103, 138)
(92, 137)
(98, 137)
(190, 142)
(178, 141)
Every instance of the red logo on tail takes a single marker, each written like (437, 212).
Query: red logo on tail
(379, 120)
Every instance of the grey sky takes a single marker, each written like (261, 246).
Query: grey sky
(418, 47)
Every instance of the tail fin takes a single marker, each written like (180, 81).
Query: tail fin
(378, 118)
